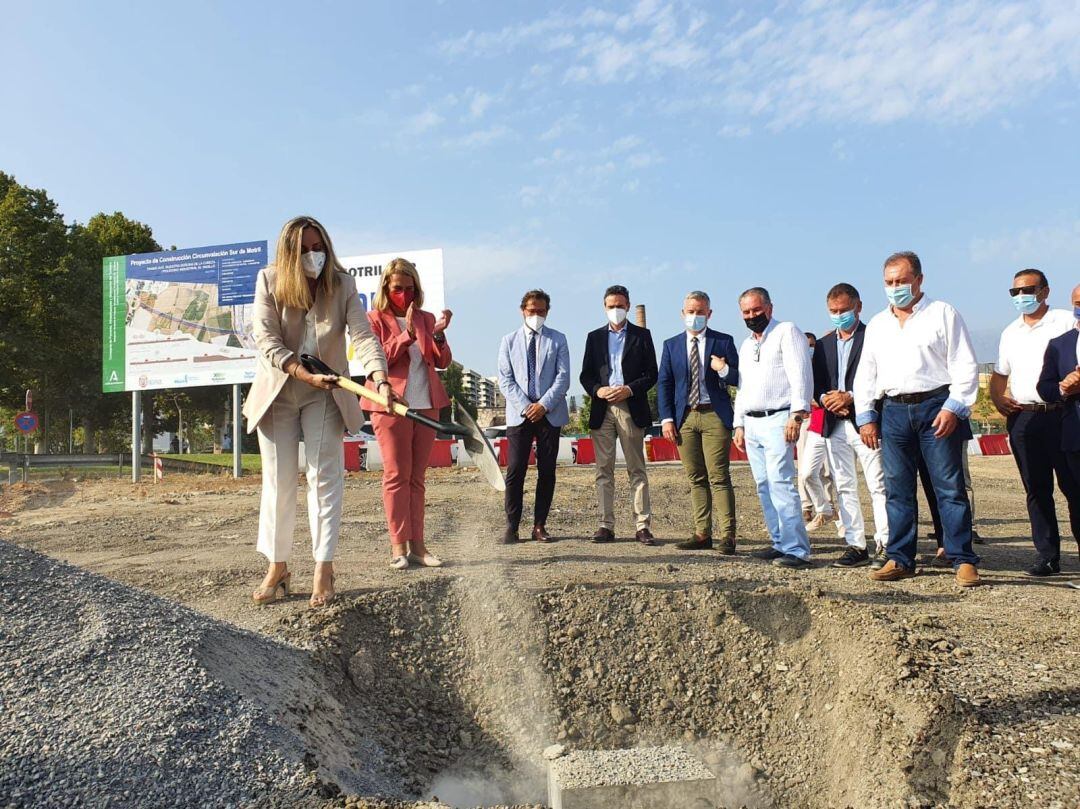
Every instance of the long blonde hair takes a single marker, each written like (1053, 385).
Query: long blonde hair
(398, 266)
(290, 285)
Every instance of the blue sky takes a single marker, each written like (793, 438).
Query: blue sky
(665, 146)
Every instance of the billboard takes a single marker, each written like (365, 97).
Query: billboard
(183, 318)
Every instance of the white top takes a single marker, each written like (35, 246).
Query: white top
(417, 388)
(1021, 350)
(932, 349)
(310, 345)
(774, 371)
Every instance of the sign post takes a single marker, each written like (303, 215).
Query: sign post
(236, 432)
(136, 436)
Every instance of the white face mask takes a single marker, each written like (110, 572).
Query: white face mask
(616, 316)
(312, 263)
(694, 322)
(535, 322)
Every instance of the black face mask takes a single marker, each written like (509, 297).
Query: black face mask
(757, 323)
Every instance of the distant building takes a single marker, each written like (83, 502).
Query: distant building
(479, 390)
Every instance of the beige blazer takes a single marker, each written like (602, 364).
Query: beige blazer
(279, 333)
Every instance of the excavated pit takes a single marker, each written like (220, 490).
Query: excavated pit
(455, 687)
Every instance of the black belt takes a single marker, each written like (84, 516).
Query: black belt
(760, 414)
(1042, 407)
(915, 398)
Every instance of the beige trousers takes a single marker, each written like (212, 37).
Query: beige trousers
(300, 408)
(618, 424)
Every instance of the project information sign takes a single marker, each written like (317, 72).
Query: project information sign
(180, 318)
(183, 318)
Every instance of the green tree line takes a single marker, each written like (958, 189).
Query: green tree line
(50, 330)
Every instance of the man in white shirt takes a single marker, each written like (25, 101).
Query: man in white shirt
(774, 398)
(1035, 425)
(918, 361)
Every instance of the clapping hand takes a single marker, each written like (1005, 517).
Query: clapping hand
(410, 320)
(444, 321)
(1070, 385)
(718, 364)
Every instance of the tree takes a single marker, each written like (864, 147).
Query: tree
(454, 382)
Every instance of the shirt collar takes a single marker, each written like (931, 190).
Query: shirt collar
(618, 332)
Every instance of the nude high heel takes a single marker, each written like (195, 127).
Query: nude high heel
(268, 595)
(325, 599)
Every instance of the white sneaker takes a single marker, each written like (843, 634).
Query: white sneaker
(399, 562)
(427, 560)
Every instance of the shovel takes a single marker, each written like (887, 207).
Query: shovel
(476, 443)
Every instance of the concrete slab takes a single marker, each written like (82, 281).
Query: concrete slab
(641, 778)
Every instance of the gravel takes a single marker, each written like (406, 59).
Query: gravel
(642, 765)
(103, 702)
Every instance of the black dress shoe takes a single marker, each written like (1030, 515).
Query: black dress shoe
(768, 553)
(978, 540)
(791, 562)
(695, 543)
(1046, 567)
(603, 535)
(540, 534)
(645, 537)
(509, 536)
(728, 546)
(853, 557)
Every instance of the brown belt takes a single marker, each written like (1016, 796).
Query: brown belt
(1042, 407)
(705, 408)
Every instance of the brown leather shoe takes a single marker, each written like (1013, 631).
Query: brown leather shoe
(695, 543)
(967, 575)
(892, 572)
(603, 535)
(645, 536)
(540, 534)
(727, 546)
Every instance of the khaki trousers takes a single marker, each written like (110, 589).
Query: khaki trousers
(619, 424)
(705, 453)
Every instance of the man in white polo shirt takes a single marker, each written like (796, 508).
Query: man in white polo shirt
(775, 387)
(918, 362)
(1035, 425)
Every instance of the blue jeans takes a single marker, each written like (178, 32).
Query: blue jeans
(907, 433)
(772, 462)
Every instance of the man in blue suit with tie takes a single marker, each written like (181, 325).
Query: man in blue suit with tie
(534, 376)
(696, 368)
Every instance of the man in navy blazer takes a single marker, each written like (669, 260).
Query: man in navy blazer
(534, 376)
(1060, 382)
(618, 371)
(696, 368)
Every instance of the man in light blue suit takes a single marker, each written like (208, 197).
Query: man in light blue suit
(534, 376)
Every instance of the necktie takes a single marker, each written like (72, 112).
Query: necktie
(533, 396)
(695, 374)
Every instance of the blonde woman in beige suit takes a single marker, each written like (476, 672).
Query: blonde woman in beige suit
(304, 303)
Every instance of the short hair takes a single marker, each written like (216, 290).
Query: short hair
(811, 335)
(843, 289)
(617, 289)
(1043, 281)
(536, 295)
(761, 292)
(909, 257)
(698, 295)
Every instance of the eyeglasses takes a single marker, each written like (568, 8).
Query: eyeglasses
(1028, 290)
(757, 351)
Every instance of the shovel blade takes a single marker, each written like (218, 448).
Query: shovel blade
(480, 450)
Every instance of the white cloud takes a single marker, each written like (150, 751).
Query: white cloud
(488, 259)
(479, 137)
(479, 104)
(1043, 246)
(789, 64)
(423, 122)
(734, 131)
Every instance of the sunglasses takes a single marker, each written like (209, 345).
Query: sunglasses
(757, 351)
(1028, 290)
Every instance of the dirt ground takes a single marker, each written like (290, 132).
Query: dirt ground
(1012, 645)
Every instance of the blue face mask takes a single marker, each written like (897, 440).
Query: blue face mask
(900, 296)
(1025, 304)
(695, 322)
(1076, 312)
(844, 321)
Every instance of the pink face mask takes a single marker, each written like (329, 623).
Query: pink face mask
(401, 298)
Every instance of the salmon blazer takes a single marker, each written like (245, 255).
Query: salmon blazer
(279, 333)
(396, 343)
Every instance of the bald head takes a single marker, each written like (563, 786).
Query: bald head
(1076, 296)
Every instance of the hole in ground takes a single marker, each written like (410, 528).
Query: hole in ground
(454, 687)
